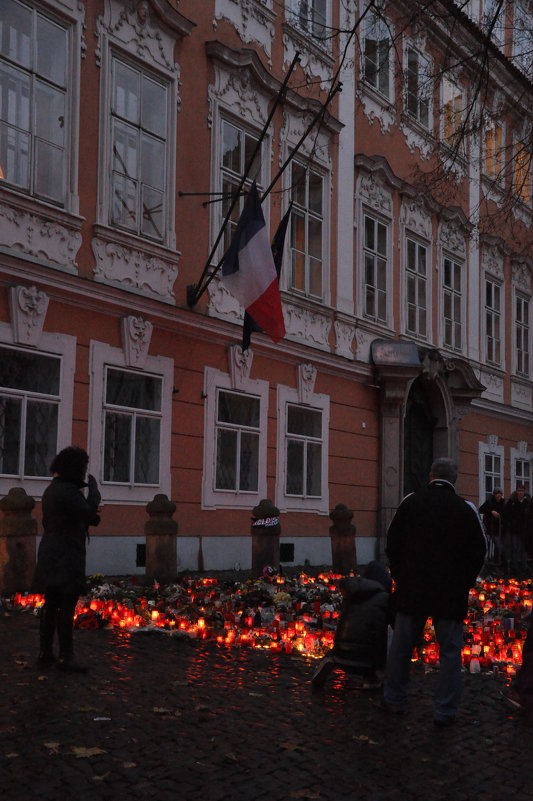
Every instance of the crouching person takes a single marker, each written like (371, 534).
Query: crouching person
(360, 643)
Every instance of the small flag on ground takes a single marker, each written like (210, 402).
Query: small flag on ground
(278, 242)
(249, 272)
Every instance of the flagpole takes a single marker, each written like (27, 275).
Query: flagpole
(280, 172)
(194, 293)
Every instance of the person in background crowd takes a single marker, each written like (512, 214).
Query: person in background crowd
(436, 547)
(492, 512)
(360, 644)
(60, 570)
(517, 523)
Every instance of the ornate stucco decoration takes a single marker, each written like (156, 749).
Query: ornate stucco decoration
(253, 20)
(492, 440)
(135, 26)
(134, 269)
(521, 269)
(315, 145)
(372, 191)
(240, 365)
(415, 217)
(237, 91)
(136, 336)
(344, 337)
(521, 396)
(363, 341)
(452, 238)
(306, 382)
(307, 326)
(40, 237)
(222, 304)
(28, 306)
(376, 108)
(492, 261)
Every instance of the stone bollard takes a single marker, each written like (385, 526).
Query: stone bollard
(18, 532)
(161, 545)
(265, 531)
(342, 533)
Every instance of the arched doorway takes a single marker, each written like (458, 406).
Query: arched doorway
(425, 431)
(418, 429)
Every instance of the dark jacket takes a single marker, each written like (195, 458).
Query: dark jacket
(66, 516)
(493, 526)
(516, 516)
(436, 548)
(361, 635)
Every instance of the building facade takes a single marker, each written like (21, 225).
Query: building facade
(126, 128)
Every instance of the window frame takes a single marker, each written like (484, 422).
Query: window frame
(522, 173)
(101, 356)
(72, 21)
(455, 261)
(419, 243)
(493, 346)
(296, 15)
(286, 396)
(457, 117)
(212, 498)
(376, 17)
(62, 346)
(309, 217)
(497, 150)
(525, 328)
(494, 451)
(114, 49)
(378, 220)
(421, 57)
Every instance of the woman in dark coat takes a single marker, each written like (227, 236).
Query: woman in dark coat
(60, 571)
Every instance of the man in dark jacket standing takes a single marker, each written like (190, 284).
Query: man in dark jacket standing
(60, 570)
(436, 548)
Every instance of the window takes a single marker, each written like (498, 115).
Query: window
(376, 53)
(522, 38)
(522, 471)
(307, 231)
(238, 146)
(139, 148)
(416, 291)
(303, 442)
(310, 16)
(493, 161)
(29, 409)
(237, 442)
(418, 87)
(493, 19)
(130, 424)
(375, 269)
(452, 297)
(36, 390)
(522, 173)
(452, 114)
(493, 309)
(522, 335)
(132, 427)
(492, 472)
(302, 459)
(33, 102)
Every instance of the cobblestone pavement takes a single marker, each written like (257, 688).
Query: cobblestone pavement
(161, 718)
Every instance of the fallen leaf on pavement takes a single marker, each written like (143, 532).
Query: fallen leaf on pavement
(80, 752)
(129, 765)
(53, 748)
(363, 738)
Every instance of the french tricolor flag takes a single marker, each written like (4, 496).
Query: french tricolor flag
(249, 272)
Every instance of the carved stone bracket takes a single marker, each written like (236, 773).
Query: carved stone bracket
(136, 337)
(306, 382)
(28, 306)
(239, 364)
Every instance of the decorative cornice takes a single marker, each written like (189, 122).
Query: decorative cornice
(245, 57)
